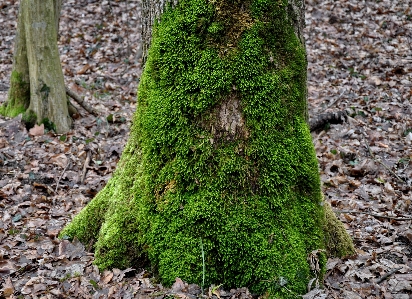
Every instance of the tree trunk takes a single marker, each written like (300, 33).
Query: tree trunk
(37, 82)
(151, 10)
(220, 160)
(19, 93)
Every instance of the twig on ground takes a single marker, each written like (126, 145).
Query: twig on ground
(380, 162)
(64, 170)
(374, 215)
(80, 100)
(86, 164)
(388, 274)
(337, 100)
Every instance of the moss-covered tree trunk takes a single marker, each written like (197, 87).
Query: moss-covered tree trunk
(220, 161)
(37, 83)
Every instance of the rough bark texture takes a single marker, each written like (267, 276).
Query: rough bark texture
(151, 10)
(37, 82)
(220, 154)
(19, 93)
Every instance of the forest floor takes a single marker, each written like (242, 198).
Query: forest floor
(360, 61)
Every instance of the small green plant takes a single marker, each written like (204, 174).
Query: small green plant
(89, 140)
(13, 231)
(333, 151)
(94, 284)
(404, 161)
(352, 72)
(48, 125)
(66, 277)
(407, 131)
(376, 109)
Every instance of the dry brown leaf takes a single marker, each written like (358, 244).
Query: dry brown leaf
(8, 288)
(37, 130)
(60, 160)
(107, 276)
(179, 285)
(84, 69)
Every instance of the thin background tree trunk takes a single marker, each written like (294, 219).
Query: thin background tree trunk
(48, 93)
(19, 92)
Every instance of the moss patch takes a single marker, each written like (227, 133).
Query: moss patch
(18, 97)
(219, 151)
(338, 242)
(29, 119)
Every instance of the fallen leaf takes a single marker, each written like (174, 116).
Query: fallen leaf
(60, 160)
(37, 130)
(84, 69)
(8, 288)
(179, 285)
(107, 276)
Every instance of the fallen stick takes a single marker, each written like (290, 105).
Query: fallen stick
(380, 162)
(388, 274)
(337, 100)
(86, 164)
(374, 215)
(64, 170)
(80, 100)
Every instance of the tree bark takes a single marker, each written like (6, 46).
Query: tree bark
(37, 82)
(19, 91)
(151, 10)
(219, 154)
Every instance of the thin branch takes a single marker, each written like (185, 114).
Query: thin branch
(388, 274)
(80, 100)
(380, 162)
(86, 164)
(374, 215)
(64, 170)
(335, 101)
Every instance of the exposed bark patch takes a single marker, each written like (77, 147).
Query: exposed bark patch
(231, 21)
(225, 122)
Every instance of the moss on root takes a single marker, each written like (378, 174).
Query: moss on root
(338, 242)
(18, 98)
(219, 152)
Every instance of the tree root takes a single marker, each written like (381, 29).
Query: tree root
(80, 100)
(327, 118)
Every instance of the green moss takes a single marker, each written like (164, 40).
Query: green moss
(7, 110)
(48, 124)
(338, 242)
(18, 98)
(219, 151)
(29, 118)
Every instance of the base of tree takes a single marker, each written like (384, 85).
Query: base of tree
(18, 96)
(220, 162)
(338, 242)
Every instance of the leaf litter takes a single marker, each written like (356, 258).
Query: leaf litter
(360, 62)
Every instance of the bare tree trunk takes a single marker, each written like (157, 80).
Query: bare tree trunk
(48, 93)
(19, 92)
(37, 82)
(151, 10)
